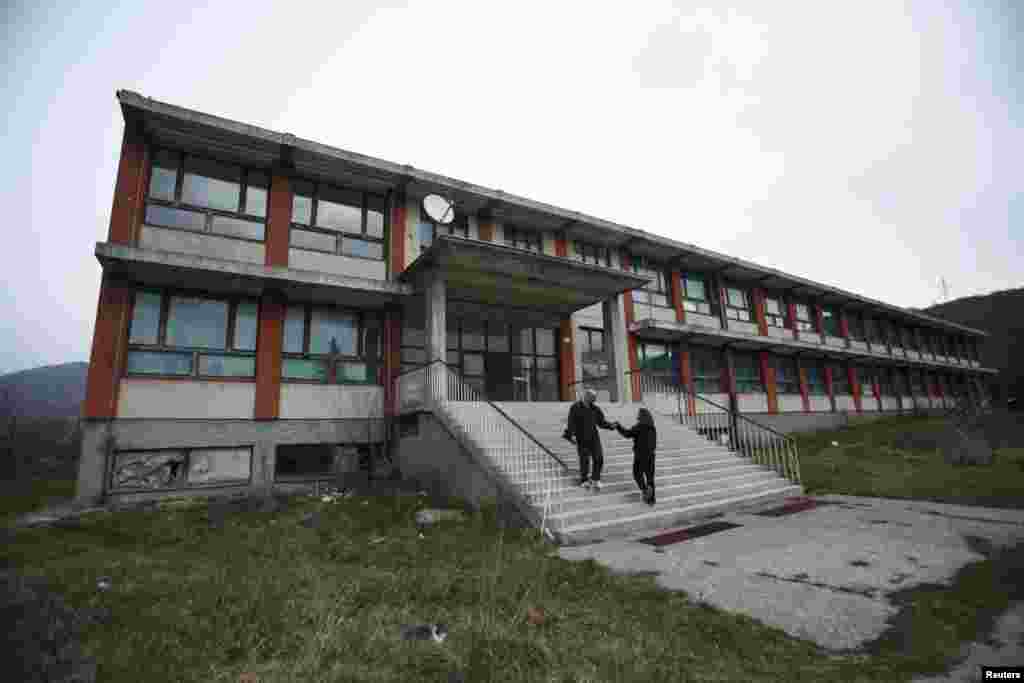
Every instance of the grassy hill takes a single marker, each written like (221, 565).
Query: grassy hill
(49, 391)
(1001, 314)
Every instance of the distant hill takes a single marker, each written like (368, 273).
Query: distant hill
(49, 391)
(1001, 314)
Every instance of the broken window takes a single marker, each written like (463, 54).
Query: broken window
(168, 469)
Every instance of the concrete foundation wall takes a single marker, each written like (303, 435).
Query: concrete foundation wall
(810, 337)
(720, 399)
(330, 401)
(791, 403)
(752, 403)
(302, 259)
(858, 345)
(820, 404)
(201, 244)
(101, 438)
(845, 402)
(154, 398)
(810, 422)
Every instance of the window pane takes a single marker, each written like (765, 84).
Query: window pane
(236, 227)
(772, 306)
(175, 218)
(211, 184)
(245, 326)
(304, 239)
(145, 318)
(294, 327)
(525, 338)
(339, 210)
(545, 342)
(256, 194)
(497, 336)
(301, 368)
(412, 336)
(163, 175)
(547, 386)
(326, 326)
(737, 298)
(376, 206)
(195, 322)
(354, 247)
(227, 366)
(694, 288)
(159, 363)
(353, 372)
(302, 202)
(473, 363)
(425, 234)
(472, 335)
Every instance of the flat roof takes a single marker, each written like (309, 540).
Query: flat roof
(262, 146)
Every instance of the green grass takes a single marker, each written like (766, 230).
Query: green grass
(265, 595)
(17, 498)
(899, 458)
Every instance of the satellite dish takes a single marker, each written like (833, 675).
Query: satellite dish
(439, 209)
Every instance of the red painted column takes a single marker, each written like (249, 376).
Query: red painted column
(844, 325)
(686, 378)
(768, 379)
(269, 344)
(109, 346)
(566, 359)
(851, 373)
(876, 388)
(759, 313)
(805, 394)
(130, 189)
(791, 311)
(392, 359)
(819, 320)
(676, 280)
(561, 247)
(397, 235)
(279, 221)
(485, 226)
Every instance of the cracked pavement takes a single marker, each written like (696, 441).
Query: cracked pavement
(822, 574)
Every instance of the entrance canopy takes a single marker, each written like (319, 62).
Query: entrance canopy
(495, 274)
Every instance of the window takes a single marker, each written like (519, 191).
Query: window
(591, 253)
(748, 374)
(866, 379)
(707, 370)
(916, 382)
(191, 336)
(886, 386)
(180, 468)
(774, 312)
(804, 320)
(815, 378)
(840, 380)
(522, 239)
(830, 322)
(593, 359)
(337, 221)
(427, 229)
(326, 344)
(655, 357)
(695, 296)
(187, 192)
(909, 338)
(655, 293)
(855, 326)
(737, 304)
(787, 379)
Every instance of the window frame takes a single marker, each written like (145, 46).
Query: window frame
(340, 235)
(830, 326)
(208, 213)
(732, 312)
(700, 375)
(750, 381)
(588, 252)
(808, 324)
(779, 363)
(692, 304)
(816, 370)
(781, 319)
(514, 236)
(161, 346)
(658, 285)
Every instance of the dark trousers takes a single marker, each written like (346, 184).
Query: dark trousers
(588, 452)
(643, 470)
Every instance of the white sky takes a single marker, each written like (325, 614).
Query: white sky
(868, 145)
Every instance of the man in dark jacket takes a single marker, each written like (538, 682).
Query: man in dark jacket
(584, 419)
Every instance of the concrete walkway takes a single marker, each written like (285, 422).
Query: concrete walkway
(823, 574)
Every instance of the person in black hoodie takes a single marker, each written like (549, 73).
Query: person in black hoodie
(584, 419)
(645, 438)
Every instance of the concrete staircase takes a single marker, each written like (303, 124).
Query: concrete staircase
(695, 477)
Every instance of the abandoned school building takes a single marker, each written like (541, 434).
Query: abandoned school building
(273, 309)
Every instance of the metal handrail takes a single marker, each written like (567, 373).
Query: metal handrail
(760, 443)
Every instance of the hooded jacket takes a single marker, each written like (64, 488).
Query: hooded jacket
(645, 439)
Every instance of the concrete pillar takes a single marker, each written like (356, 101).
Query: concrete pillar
(264, 462)
(435, 326)
(616, 346)
(686, 379)
(93, 462)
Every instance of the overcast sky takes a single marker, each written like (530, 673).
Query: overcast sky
(871, 146)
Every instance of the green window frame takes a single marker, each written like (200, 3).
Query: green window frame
(337, 220)
(748, 373)
(737, 304)
(316, 337)
(175, 333)
(830, 322)
(775, 312)
(707, 370)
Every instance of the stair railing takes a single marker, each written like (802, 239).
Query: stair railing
(540, 474)
(763, 445)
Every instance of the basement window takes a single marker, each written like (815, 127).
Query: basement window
(180, 468)
(305, 461)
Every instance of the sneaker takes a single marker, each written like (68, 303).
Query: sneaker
(585, 484)
(595, 485)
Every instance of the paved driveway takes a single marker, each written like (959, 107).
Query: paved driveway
(824, 574)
